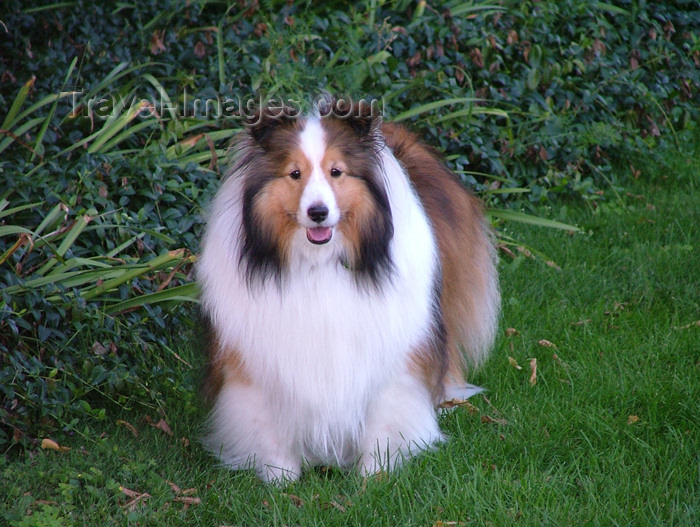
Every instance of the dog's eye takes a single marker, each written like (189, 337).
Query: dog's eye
(295, 174)
(335, 172)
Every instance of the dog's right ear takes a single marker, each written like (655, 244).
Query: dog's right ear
(267, 119)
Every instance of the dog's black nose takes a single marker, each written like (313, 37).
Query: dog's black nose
(318, 212)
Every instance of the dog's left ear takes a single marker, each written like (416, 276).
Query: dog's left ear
(364, 124)
(362, 116)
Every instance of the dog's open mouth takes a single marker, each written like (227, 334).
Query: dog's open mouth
(319, 235)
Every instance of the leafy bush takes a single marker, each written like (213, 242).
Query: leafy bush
(71, 279)
(107, 161)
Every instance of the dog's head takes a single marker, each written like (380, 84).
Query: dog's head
(313, 190)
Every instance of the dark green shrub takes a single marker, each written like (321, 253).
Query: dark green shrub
(99, 216)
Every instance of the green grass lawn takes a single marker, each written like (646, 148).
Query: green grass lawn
(607, 435)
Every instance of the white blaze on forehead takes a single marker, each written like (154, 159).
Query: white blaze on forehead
(312, 142)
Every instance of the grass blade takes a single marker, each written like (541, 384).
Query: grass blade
(184, 146)
(18, 132)
(132, 130)
(142, 232)
(49, 99)
(428, 107)
(181, 293)
(89, 263)
(49, 220)
(73, 234)
(612, 9)
(201, 157)
(165, 259)
(164, 97)
(117, 72)
(482, 174)
(38, 146)
(472, 111)
(14, 210)
(68, 241)
(469, 8)
(521, 217)
(55, 5)
(65, 279)
(127, 243)
(507, 190)
(109, 130)
(17, 103)
(220, 54)
(7, 230)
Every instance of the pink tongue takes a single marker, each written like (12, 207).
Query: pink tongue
(319, 234)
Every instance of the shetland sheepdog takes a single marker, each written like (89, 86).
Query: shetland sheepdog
(348, 279)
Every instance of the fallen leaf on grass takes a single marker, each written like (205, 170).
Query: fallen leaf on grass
(181, 492)
(632, 419)
(214, 163)
(162, 426)
(378, 476)
(514, 363)
(128, 425)
(50, 444)
(580, 322)
(296, 500)
(157, 39)
(493, 420)
(525, 252)
(533, 372)
(507, 251)
(546, 343)
(688, 326)
(635, 171)
(617, 307)
(559, 361)
(188, 501)
(552, 264)
(335, 504)
(130, 493)
(176, 489)
(488, 401)
(98, 349)
(453, 403)
(137, 497)
(199, 49)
